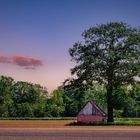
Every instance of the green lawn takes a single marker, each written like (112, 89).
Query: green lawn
(117, 121)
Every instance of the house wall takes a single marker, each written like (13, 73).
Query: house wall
(90, 118)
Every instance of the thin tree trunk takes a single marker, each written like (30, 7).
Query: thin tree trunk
(110, 104)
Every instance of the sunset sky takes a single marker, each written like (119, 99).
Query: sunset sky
(35, 35)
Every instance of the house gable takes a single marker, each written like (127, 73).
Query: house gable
(91, 108)
(87, 110)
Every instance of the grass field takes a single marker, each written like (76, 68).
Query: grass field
(117, 121)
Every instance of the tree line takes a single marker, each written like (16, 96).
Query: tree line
(24, 99)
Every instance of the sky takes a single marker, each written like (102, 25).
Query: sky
(35, 35)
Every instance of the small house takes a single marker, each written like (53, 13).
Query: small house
(91, 112)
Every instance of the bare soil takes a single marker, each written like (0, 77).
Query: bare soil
(58, 130)
(34, 123)
(56, 124)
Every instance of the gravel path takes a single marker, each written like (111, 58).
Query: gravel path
(68, 134)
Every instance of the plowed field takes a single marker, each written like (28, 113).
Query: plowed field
(58, 130)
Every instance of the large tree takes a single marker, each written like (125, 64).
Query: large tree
(110, 55)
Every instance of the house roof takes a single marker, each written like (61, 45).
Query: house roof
(95, 107)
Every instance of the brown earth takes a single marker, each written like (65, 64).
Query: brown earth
(56, 124)
(58, 130)
(33, 123)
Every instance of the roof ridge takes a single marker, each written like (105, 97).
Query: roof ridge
(93, 102)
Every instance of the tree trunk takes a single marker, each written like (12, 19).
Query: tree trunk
(110, 104)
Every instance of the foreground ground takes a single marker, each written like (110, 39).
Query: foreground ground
(57, 130)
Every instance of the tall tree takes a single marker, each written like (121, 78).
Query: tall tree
(110, 55)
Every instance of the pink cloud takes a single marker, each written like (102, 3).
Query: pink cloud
(26, 62)
(4, 59)
(22, 61)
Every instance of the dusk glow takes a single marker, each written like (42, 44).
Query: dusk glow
(35, 35)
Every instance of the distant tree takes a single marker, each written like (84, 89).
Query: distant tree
(39, 105)
(24, 92)
(24, 110)
(126, 100)
(120, 97)
(135, 96)
(71, 102)
(55, 106)
(31, 97)
(109, 55)
(6, 103)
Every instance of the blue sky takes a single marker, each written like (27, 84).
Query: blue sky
(35, 35)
